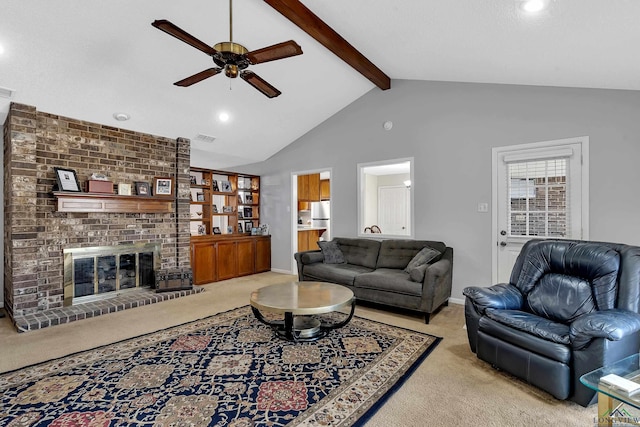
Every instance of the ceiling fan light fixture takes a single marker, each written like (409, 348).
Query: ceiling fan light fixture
(231, 71)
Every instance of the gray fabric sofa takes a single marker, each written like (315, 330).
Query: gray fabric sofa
(374, 271)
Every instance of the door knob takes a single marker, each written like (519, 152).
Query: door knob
(503, 243)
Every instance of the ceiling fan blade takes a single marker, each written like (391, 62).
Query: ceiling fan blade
(180, 34)
(198, 77)
(259, 83)
(277, 51)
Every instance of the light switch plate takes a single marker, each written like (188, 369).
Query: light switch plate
(483, 207)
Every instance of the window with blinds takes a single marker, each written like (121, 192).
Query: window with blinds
(538, 198)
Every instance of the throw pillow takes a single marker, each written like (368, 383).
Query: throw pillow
(331, 252)
(417, 274)
(425, 255)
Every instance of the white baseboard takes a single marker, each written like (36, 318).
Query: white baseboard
(456, 301)
(277, 270)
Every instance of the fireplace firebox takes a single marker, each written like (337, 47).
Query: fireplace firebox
(101, 272)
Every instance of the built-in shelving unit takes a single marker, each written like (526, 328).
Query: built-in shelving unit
(225, 207)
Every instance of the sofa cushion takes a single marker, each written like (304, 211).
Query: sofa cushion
(389, 279)
(397, 253)
(331, 252)
(524, 340)
(341, 274)
(362, 252)
(425, 256)
(532, 324)
(561, 298)
(417, 274)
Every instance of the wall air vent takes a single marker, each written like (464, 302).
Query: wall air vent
(205, 138)
(5, 92)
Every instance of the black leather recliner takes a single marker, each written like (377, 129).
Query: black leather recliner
(570, 307)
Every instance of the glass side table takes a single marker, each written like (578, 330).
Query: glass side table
(610, 400)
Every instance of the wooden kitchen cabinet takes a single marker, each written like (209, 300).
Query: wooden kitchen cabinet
(223, 257)
(309, 188)
(308, 240)
(325, 189)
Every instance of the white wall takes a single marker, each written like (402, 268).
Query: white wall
(450, 128)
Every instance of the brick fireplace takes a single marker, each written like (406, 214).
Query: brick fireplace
(36, 234)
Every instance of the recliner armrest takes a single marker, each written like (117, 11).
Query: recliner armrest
(612, 324)
(501, 296)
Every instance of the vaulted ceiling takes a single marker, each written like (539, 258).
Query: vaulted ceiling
(89, 60)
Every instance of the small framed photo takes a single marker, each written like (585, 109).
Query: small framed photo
(240, 228)
(248, 225)
(225, 186)
(192, 180)
(215, 185)
(240, 214)
(227, 209)
(248, 212)
(230, 229)
(216, 230)
(240, 202)
(215, 208)
(163, 186)
(124, 189)
(248, 198)
(67, 180)
(200, 197)
(142, 188)
(202, 230)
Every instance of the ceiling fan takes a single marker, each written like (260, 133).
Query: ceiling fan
(232, 58)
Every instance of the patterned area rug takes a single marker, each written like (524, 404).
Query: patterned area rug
(227, 369)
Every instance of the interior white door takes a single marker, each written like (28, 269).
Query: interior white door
(540, 191)
(393, 211)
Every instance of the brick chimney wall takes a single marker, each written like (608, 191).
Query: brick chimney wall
(35, 234)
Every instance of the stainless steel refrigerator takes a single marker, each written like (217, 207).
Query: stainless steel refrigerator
(320, 217)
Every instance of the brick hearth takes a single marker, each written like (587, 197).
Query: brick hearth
(35, 233)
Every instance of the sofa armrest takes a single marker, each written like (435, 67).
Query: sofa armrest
(613, 325)
(501, 296)
(307, 257)
(436, 286)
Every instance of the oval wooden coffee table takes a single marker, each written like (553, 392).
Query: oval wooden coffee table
(299, 301)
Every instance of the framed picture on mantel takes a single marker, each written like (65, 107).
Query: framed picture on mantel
(163, 186)
(67, 180)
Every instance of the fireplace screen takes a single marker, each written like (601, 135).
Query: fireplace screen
(103, 271)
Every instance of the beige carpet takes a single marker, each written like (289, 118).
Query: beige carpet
(452, 387)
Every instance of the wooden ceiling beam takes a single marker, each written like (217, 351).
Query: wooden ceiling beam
(304, 18)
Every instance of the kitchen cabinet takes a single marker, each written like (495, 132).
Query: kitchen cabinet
(309, 188)
(308, 239)
(325, 189)
(224, 257)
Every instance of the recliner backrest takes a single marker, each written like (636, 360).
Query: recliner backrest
(562, 280)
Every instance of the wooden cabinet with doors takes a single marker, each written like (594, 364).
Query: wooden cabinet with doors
(325, 189)
(222, 257)
(309, 188)
(308, 239)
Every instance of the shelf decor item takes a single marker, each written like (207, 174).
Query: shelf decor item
(216, 230)
(200, 197)
(163, 186)
(67, 180)
(124, 189)
(240, 228)
(225, 186)
(142, 188)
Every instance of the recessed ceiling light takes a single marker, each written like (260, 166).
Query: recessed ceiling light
(121, 117)
(224, 117)
(533, 6)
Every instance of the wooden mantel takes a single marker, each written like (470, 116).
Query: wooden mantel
(112, 203)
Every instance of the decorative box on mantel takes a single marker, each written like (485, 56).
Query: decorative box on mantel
(174, 279)
(96, 186)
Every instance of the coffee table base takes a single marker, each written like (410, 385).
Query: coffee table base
(302, 328)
